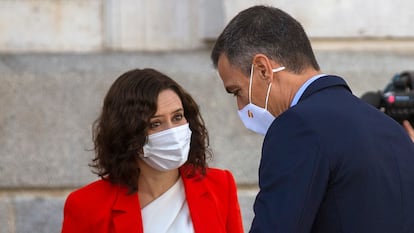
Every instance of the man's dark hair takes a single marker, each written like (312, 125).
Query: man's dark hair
(266, 30)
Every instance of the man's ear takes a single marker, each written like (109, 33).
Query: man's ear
(263, 65)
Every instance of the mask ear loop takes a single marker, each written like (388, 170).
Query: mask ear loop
(270, 85)
(278, 69)
(250, 84)
(267, 95)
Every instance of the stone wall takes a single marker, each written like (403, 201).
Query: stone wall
(157, 25)
(58, 59)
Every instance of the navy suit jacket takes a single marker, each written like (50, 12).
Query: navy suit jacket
(333, 163)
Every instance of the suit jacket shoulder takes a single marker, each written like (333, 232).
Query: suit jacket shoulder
(213, 202)
(101, 207)
(94, 195)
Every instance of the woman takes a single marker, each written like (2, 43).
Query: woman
(151, 147)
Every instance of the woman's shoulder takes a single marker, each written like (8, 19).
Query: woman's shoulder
(219, 176)
(94, 192)
(90, 205)
(95, 186)
(211, 171)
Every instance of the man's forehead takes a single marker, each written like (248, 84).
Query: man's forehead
(223, 61)
(232, 77)
(225, 68)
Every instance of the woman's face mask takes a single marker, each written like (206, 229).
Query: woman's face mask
(168, 149)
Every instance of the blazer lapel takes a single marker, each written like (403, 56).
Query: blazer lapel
(204, 211)
(322, 83)
(126, 213)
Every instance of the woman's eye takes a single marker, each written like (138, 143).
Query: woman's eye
(154, 124)
(178, 117)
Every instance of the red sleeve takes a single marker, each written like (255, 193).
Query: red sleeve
(234, 219)
(74, 220)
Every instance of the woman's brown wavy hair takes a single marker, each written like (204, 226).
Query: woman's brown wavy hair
(120, 131)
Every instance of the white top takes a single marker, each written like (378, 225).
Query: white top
(168, 213)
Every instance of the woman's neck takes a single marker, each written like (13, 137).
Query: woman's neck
(153, 183)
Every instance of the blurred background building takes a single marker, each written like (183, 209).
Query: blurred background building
(58, 58)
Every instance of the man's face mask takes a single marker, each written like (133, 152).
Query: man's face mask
(255, 118)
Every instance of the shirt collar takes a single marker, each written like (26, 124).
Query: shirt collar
(303, 88)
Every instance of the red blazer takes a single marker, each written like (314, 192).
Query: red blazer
(102, 207)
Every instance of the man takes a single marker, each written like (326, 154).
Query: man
(330, 162)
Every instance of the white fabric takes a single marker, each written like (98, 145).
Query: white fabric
(168, 213)
(168, 149)
(255, 118)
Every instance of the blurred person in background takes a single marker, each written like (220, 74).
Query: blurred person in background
(151, 147)
(330, 162)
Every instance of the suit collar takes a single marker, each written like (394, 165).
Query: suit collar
(322, 83)
(203, 208)
(126, 212)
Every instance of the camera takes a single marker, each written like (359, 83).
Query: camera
(397, 98)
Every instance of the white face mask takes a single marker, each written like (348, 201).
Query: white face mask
(255, 118)
(168, 149)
